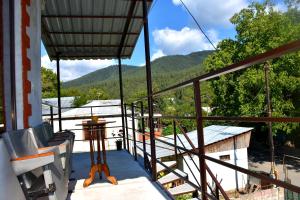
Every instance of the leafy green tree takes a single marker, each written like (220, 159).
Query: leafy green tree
(259, 28)
(49, 83)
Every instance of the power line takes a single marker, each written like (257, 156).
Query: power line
(201, 29)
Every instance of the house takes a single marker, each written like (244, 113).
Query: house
(66, 103)
(226, 143)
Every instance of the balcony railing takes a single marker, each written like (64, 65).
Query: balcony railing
(137, 113)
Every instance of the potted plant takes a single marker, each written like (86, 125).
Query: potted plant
(118, 139)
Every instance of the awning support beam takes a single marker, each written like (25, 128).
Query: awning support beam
(58, 91)
(149, 90)
(122, 100)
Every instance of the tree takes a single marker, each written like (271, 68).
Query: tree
(259, 28)
(49, 83)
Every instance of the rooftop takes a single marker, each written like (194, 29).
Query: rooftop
(212, 134)
(91, 29)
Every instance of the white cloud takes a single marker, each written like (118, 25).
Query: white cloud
(157, 54)
(184, 41)
(71, 69)
(213, 13)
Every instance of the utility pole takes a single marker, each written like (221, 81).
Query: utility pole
(269, 114)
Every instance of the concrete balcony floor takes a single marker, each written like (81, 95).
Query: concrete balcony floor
(133, 181)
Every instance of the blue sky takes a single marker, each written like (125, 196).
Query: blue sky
(172, 31)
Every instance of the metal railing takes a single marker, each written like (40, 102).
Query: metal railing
(200, 149)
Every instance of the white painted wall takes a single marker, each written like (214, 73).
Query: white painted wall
(228, 176)
(34, 54)
(34, 32)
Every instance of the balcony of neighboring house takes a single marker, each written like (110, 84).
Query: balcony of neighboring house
(112, 149)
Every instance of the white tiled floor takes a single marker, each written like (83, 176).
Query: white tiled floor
(133, 182)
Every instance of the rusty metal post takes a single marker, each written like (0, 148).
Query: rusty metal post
(58, 92)
(51, 117)
(175, 141)
(122, 100)
(126, 126)
(133, 131)
(143, 132)
(201, 145)
(149, 89)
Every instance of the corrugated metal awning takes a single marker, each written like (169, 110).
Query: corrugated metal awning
(91, 29)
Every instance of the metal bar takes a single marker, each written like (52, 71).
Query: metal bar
(58, 91)
(200, 134)
(171, 117)
(126, 126)
(143, 132)
(88, 117)
(92, 16)
(187, 137)
(219, 187)
(122, 99)
(13, 105)
(253, 119)
(175, 141)
(279, 183)
(51, 113)
(91, 33)
(257, 59)
(91, 56)
(126, 27)
(133, 131)
(71, 107)
(87, 45)
(149, 89)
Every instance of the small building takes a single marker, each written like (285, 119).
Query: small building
(226, 143)
(108, 109)
(66, 103)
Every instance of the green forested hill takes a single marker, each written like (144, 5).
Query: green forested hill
(166, 71)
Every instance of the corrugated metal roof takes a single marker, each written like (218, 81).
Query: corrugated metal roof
(212, 134)
(65, 102)
(90, 29)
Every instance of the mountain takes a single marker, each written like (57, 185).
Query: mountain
(166, 71)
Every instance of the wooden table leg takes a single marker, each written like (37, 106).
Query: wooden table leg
(99, 153)
(94, 168)
(105, 168)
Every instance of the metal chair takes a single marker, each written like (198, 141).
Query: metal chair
(40, 171)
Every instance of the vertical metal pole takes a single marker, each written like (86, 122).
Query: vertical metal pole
(122, 100)
(149, 89)
(133, 131)
(175, 141)
(201, 145)
(91, 111)
(143, 132)
(270, 134)
(12, 65)
(126, 126)
(51, 113)
(58, 92)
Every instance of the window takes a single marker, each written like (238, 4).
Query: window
(225, 157)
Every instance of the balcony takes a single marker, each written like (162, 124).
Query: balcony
(52, 160)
